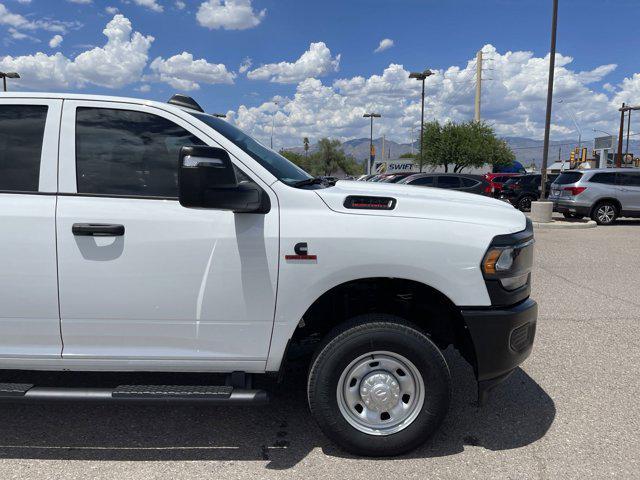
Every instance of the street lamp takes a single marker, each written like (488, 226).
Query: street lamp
(575, 122)
(371, 116)
(273, 123)
(421, 76)
(5, 75)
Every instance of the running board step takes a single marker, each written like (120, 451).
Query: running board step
(24, 392)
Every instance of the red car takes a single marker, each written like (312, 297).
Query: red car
(496, 181)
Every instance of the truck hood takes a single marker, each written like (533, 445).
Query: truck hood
(427, 203)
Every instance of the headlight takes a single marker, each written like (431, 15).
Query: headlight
(511, 265)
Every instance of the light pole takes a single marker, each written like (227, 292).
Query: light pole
(421, 76)
(371, 154)
(575, 122)
(547, 122)
(5, 75)
(273, 122)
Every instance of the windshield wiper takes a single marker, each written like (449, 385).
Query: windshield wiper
(307, 181)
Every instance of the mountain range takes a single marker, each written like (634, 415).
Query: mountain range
(527, 150)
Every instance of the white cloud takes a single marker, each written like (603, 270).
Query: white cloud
(180, 5)
(245, 65)
(111, 10)
(514, 100)
(19, 22)
(55, 41)
(26, 2)
(184, 73)
(315, 62)
(229, 14)
(81, 2)
(385, 44)
(118, 63)
(150, 4)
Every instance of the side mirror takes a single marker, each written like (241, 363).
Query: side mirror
(207, 179)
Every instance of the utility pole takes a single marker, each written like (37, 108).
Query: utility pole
(628, 128)
(478, 85)
(547, 123)
(620, 136)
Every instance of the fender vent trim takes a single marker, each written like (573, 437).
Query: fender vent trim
(367, 202)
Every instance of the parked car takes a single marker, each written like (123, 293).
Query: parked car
(602, 194)
(395, 177)
(142, 236)
(451, 181)
(521, 191)
(497, 180)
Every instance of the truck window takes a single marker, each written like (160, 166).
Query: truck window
(129, 153)
(21, 134)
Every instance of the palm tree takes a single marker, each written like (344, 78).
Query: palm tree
(305, 141)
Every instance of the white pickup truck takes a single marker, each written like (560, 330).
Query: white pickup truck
(142, 236)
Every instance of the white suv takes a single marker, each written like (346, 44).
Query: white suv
(142, 236)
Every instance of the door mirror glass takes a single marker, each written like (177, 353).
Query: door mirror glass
(207, 179)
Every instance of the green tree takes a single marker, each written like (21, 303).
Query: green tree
(329, 159)
(458, 146)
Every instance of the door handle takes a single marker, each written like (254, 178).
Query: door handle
(97, 229)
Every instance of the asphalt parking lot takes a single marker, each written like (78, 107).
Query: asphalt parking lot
(571, 411)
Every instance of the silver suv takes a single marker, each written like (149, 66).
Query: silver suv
(602, 194)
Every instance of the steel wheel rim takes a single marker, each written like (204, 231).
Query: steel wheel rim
(606, 213)
(380, 393)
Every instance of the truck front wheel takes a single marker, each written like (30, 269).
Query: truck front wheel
(378, 386)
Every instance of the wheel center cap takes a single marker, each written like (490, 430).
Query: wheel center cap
(380, 391)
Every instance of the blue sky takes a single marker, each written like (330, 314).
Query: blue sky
(342, 76)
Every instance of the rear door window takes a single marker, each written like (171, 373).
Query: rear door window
(608, 178)
(468, 182)
(568, 177)
(21, 135)
(448, 182)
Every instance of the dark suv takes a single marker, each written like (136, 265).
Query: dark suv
(453, 181)
(521, 191)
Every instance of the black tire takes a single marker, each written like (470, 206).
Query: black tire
(524, 204)
(571, 215)
(605, 213)
(359, 337)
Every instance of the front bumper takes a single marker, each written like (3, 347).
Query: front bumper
(502, 339)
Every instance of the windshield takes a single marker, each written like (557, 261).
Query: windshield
(276, 164)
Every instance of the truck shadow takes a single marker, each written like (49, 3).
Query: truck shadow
(518, 413)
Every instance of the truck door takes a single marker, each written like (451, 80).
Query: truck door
(29, 320)
(157, 284)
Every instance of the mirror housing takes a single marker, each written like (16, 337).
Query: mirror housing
(207, 179)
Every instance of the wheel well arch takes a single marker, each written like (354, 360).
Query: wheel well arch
(613, 200)
(424, 306)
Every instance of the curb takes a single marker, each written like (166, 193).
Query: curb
(560, 224)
